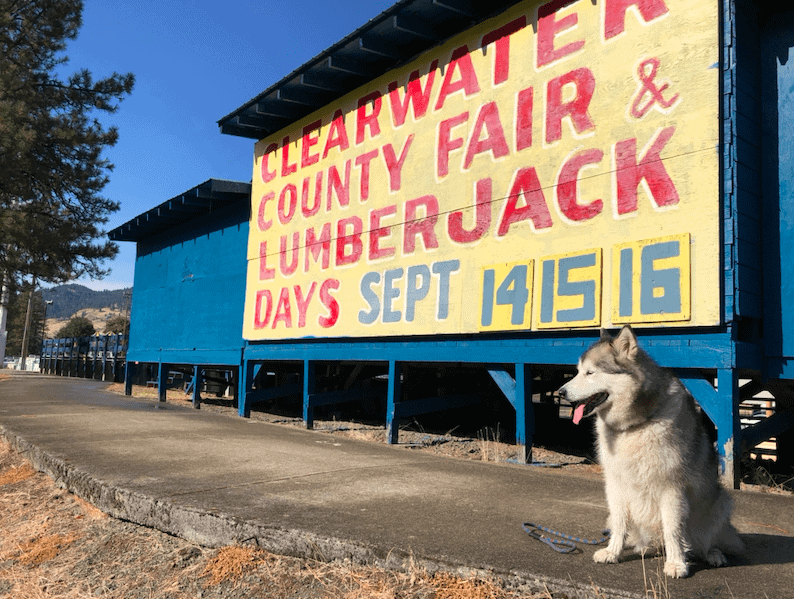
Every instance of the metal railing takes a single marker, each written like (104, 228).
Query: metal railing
(100, 357)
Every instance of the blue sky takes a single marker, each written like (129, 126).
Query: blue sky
(194, 63)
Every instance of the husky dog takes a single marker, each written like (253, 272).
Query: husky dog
(660, 467)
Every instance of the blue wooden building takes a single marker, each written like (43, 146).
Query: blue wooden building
(201, 295)
(189, 281)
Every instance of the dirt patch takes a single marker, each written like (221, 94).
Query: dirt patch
(54, 545)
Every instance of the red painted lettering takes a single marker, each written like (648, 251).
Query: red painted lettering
(343, 240)
(494, 142)
(265, 272)
(337, 187)
(446, 144)
(567, 186)
(483, 197)
(549, 27)
(303, 303)
(330, 303)
(615, 13)
(420, 226)
(395, 165)
(337, 135)
(266, 174)
(287, 203)
(264, 225)
(501, 64)
(460, 62)
(363, 161)
(376, 231)
(629, 172)
(311, 137)
(315, 245)
(414, 95)
(527, 185)
(556, 110)
(307, 210)
(286, 167)
(261, 319)
(283, 309)
(524, 119)
(368, 120)
(289, 268)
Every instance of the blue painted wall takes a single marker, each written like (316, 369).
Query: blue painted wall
(777, 77)
(190, 290)
(742, 165)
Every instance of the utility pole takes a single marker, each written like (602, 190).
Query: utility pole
(3, 319)
(23, 358)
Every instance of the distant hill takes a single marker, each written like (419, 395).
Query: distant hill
(72, 298)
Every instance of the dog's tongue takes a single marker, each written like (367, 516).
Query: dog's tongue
(578, 413)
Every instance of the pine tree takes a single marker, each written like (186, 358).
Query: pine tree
(117, 325)
(78, 326)
(52, 170)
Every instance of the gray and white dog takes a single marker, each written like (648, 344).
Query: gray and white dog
(660, 467)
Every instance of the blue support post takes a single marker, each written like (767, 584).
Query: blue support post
(105, 357)
(309, 387)
(197, 372)
(162, 381)
(236, 375)
(245, 384)
(117, 348)
(518, 392)
(394, 395)
(525, 413)
(722, 407)
(729, 435)
(128, 370)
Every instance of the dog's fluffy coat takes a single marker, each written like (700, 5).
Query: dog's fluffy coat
(660, 467)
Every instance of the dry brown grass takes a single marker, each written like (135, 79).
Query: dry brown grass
(42, 549)
(55, 546)
(233, 566)
(231, 563)
(16, 474)
(491, 449)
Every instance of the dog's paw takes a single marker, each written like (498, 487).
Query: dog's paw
(676, 569)
(605, 556)
(716, 558)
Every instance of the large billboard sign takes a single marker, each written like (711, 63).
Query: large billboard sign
(553, 168)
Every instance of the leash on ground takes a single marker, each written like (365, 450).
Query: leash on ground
(560, 542)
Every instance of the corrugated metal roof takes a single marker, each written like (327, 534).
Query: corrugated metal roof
(202, 199)
(391, 39)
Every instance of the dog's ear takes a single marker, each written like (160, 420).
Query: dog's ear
(605, 336)
(625, 343)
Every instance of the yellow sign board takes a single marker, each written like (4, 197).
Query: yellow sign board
(554, 167)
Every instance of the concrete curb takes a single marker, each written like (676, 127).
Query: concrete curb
(218, 530)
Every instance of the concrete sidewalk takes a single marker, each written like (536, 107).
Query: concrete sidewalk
(218, 480)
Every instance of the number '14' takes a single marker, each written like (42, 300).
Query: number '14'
(506, 293)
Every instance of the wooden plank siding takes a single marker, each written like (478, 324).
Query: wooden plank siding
(742, 167)
(189, 287)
